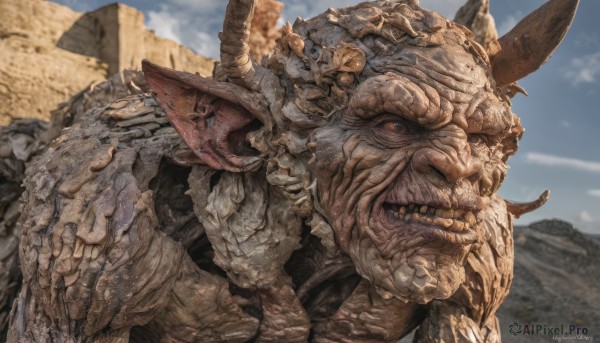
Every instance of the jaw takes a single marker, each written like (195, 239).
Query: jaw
(416, 252)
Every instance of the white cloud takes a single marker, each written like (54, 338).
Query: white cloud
(194, 23)
(565, 123)
(207, 45)
(584, 69)
(594, 192)
(558, 161)
(164, 24)
(585, 217)
(509, 23)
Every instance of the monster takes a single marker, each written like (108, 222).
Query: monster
(343, 190)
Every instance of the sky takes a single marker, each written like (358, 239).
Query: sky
(560, 150)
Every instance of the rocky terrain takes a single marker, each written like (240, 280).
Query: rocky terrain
(556, 281)
(49, 53)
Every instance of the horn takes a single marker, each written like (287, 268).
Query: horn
(475, 15)
(531, 43)
(517, 209)
(235, 53)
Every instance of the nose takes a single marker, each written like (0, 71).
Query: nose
(452, 165)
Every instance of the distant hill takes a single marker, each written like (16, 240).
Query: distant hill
(556, 281)
(595, 236)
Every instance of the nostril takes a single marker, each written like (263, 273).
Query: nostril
(454, 173)
(437, 172)
(474, 177)
(449, 168)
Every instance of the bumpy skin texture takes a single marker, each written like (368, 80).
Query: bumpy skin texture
(94, 261)
(21, 141)
(343, 191)
(18, 143)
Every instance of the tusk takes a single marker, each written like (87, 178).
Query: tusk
(517, 209)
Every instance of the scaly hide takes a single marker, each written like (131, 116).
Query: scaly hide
(344, 190)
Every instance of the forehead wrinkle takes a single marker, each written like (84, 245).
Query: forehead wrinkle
(459, 100)
(397, 94)
(456, 92)
(418, 97)
(456, 78)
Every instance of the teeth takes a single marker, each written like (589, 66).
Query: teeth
(415, 217)
(451, 219)
(457, 225)
(445, 222)
(470, 218)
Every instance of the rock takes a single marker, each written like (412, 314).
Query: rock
(556, 280)
(50, 53)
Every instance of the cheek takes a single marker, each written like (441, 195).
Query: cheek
(350, 175)
(494, 169)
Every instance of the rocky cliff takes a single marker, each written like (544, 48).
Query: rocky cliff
(556, 281)
(49, 53)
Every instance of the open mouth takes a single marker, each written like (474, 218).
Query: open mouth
(455, 220)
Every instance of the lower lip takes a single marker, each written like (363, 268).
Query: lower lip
(432, 231)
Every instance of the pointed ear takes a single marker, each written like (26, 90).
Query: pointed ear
(212, 117)
(531, 43)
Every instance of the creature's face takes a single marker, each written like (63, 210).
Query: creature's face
(406, 170)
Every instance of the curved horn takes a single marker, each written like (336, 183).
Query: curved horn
(531, 43)
(235, 53)
(518, 209)
(475, 15)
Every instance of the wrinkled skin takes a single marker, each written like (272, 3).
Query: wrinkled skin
(421, 143)
(342, 191)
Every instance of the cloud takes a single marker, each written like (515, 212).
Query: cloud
(584, 69)
(164, 24)
(194, 23)
(509, 22)
(594, 192)
(558, 161)
(565, 124)
(585, 217)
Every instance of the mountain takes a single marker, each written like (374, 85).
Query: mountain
(556, 281)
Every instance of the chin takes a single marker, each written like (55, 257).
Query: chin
(415, 252)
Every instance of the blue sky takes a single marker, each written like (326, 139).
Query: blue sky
(560, 150)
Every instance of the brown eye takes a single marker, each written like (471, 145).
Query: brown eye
(394, 126)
